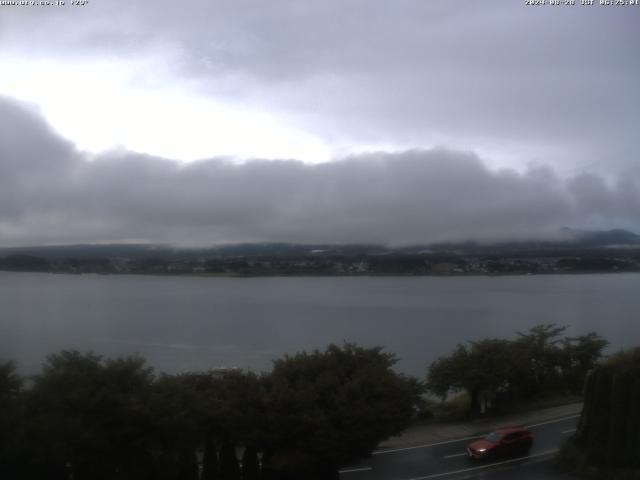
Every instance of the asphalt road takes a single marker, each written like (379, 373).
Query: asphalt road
(448, 460)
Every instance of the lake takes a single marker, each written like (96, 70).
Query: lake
(193, 323)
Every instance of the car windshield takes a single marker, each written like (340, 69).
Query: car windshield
(493, 437)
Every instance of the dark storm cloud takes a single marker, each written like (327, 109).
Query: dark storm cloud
(550, 84)
(50, 193)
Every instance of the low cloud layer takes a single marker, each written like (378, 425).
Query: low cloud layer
(50, 193)
(516, 83)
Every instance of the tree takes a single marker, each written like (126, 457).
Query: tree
(483, 370)
(229, 467)
(88, 417)
(209, 459)
(250, 464)
(229, 410)
(446, 374)
(540, 351)
(581, 354)
(241, 408)
(10, 383)
(607, 437)
(329, 408)
(177, 408)
(11, 418)
(498, 373)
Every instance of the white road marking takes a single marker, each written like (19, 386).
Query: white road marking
(571, 430)
(553, 421)
(455, 455)
(482, 467)
(353, 470)
(427, 445)
(380, 452)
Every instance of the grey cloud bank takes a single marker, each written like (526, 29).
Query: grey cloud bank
(50, 193)
(554, 85)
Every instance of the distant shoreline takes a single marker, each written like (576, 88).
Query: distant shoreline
(330, 275)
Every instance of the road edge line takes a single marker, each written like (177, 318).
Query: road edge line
(481, 467)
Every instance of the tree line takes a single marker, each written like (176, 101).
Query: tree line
(498, 373)
(87, 417)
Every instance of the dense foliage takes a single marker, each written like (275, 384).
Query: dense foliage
(498, 373)
(607, 442)
(326, 409)
(86, 417)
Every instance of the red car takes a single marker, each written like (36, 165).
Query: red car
(502, 442)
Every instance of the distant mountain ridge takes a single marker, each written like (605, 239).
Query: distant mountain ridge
(569, 239)
(602, 237)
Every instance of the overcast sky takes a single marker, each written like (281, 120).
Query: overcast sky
(329, 121)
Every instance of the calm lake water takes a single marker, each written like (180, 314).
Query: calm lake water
(195, 323)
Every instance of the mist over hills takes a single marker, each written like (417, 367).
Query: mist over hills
(570, 239)
(602, 237)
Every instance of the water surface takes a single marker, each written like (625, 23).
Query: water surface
(193, 323)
